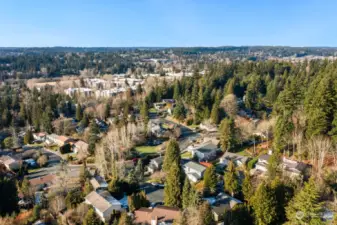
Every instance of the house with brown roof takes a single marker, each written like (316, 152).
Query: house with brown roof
(162, 215)
(9, 162)
(57, 139)
(81, 147)
(104, 204)
(42, 182)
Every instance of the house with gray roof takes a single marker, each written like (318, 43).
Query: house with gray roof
(237, 159)
(289, 167)
(194, 171)
(103, 203)
(155, 164)
(223, 203)
(99, 183)
(204, 152)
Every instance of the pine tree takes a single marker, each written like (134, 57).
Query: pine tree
(264, 205)
(305, 208)
(93, 138)
(144, 113)
(206, 215)
(273, 165)
(173, 186)
(179, 112)
(176, 90)
(172, 155)
(215, 114)
(139, 170)
(231, 179)
(282, 132)
(114, 188)
(125, 219)
(247, 187)
(210, 180)
(28, 138)
(227, 134)
(46, 122)
(79, 113)
(91, 218)
(186, 197)
(8, 196)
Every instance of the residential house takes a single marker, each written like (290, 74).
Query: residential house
(155, 164)
(159, 105)
(40, 136)
(103, 203)
(194, 171)
(205, 152)
(98, 183)
(289, 167)
(223, 203)
(80, 147)
(58, 140)
(237, 159)
(9, 162)
(160, 215)
(208, 127)
(40, 183)
(155, 128)
(154, 193)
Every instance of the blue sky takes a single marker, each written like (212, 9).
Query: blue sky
(113, 23)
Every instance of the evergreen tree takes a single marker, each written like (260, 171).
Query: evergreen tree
(179, 112)
(273, 165)
(28, 138)
(46, 122)
(91, 218)
(264, 205)
(210, 180)
(8, 196)
(137, 200)
(87, 187)
(114, 188)
(172, 155)
(215, 114)
(85, 121)
(231, 179)
(238, 215)
(305, 207)
(186, 196)
(139, 170)
(227, 134)
(247, 187)
(172, 190)
(125, 219)
(73, 199)
(144, 113)
(206, 214)
(282, 132)
(176, 90)
(79, 113)
(106, 111)
(93, 138)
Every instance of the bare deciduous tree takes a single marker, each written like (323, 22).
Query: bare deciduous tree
(229, 103)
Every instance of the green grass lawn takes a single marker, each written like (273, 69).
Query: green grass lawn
(146, 150)
(152, 110)
(186, 155)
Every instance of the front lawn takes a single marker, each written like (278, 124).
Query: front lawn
(153, 110)
(186, 155)
(146, 150)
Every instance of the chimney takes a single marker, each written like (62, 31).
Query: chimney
(154, 220)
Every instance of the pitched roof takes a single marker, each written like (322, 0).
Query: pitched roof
(101, 201)
(161, 213)
(7, 160)
(206, 147)
(233, 156)
(48, 179)
(195, 166)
